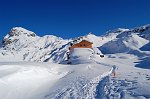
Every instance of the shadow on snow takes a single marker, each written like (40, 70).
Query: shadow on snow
(143, 63)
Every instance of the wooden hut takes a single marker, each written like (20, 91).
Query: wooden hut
(82, 44)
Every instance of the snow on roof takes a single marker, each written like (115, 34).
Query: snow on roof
(81, 40)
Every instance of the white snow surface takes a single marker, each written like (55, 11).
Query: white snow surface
(21, 80)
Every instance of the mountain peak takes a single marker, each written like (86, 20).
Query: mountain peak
(118, 30)
(141, 28)
(90, 34)
(17, 31)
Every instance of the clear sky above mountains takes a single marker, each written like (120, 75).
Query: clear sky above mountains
(72, 18)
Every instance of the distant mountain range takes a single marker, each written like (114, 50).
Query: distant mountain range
(24, 45)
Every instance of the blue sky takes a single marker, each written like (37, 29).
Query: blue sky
(72, 18)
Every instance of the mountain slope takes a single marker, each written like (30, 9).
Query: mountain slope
(23, 45)
(128, 41)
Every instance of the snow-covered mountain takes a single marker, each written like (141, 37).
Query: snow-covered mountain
(128, 41)
(29, 69)
(23, 45)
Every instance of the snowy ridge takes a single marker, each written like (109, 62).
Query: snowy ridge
(23, 45)
(29, 66)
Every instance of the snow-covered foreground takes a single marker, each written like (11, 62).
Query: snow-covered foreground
(42, 80)
(22, 80)
(26, 81)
